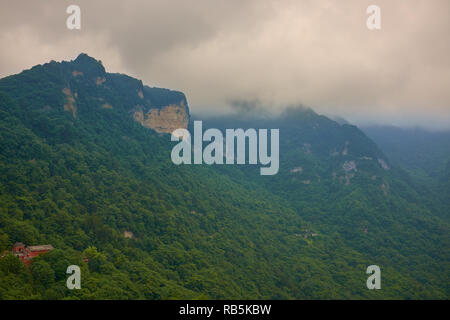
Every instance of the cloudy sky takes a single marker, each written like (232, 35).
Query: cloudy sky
(318, 53)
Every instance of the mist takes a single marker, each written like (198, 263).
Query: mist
(263, 55)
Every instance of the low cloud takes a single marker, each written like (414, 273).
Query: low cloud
(311, 52)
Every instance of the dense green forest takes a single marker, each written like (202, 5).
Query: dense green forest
(424, 154)
(79, 178)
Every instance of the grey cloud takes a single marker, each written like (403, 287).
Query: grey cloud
(317, 53)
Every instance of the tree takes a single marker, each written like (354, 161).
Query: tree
(11, 264)
(42, 273)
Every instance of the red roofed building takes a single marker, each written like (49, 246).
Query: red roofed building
(26, 253)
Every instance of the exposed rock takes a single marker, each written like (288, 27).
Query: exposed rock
(100, 80)
(385, 188)
(139, 117)
(383, 164)
(297, 169)
(345, 151)
(128, 234)
(349, 166)
(106, 106)
(70, 102)
(166, 119)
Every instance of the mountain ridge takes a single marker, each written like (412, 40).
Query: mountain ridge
(85, 78)
(213, 232)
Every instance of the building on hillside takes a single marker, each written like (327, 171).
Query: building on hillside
(26, 253)
(18, 247)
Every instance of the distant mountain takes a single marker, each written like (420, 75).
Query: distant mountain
(419, 151)
(424, 154)
(85, 167)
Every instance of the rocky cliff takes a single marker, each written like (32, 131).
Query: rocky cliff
(82, 86)
(165, 119)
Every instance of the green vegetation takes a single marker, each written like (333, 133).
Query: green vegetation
(200, 232)
(423, 153)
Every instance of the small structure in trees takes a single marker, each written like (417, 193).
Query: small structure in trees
(26, 253)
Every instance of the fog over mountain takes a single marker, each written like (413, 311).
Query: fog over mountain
(88, 179)
(316, 53)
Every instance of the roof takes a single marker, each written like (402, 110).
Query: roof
(41, 247)
(18, 244)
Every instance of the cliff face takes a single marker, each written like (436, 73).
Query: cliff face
(166, 119)
(82, 87)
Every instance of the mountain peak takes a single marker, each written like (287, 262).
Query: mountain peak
(86, 87)
(84, 57)
(85, 62)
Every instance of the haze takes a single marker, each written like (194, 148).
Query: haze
(279, 53)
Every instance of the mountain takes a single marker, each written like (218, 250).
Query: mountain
(423, 153)
(85, 89)
(85, 167)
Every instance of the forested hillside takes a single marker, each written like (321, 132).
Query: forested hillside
(77, 171)
(423, 153)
